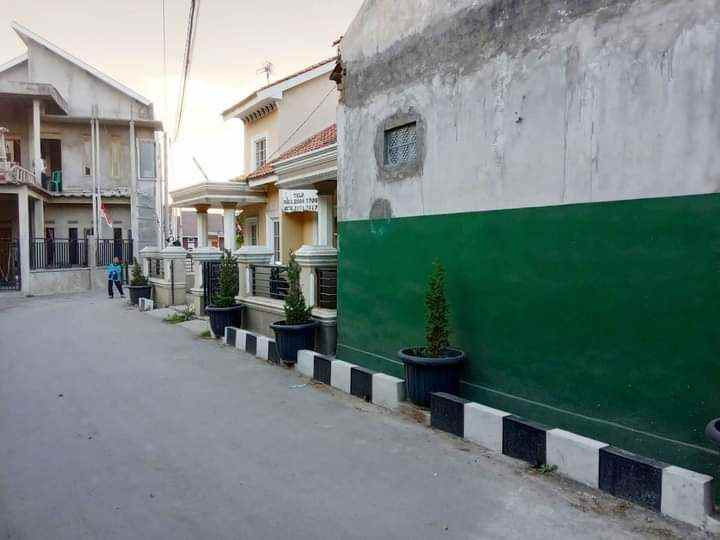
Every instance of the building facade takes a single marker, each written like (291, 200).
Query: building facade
(560, 161)
(70, 132)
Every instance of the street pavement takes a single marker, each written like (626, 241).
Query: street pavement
(114, 424)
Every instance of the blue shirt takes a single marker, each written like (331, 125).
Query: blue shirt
(114, 271)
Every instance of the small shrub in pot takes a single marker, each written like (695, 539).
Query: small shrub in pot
(297, 331)
(139, 286)
(435, 367)
(224, 310)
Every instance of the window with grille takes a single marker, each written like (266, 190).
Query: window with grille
(276, 240)
(401, 145)
(260, 152)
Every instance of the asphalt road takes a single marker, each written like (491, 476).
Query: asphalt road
(114, 424)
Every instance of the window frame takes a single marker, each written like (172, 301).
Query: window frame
(115, 159)
(387, 148)
(139, 144)
(253, 150)
(251, 223)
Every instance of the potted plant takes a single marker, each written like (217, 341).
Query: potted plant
(436, 366)
(223, 309)
(297, 331)
(139, 286)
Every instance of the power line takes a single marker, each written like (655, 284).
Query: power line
(187, 62)
(301, 124)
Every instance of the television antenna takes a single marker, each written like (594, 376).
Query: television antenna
(267, 69)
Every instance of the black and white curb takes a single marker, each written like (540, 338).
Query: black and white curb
(679, 493)
(377, 388)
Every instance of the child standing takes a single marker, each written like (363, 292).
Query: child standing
(114, 273)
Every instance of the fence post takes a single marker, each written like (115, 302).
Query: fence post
(247, 256)
(91, 248)
(196, 296)
(171, 289)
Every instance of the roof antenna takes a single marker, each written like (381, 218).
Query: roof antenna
(267, 69)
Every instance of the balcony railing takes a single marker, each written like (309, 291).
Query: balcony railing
(12, 172)
(326, 290)
(157, 269)
(107, 250)
(269, 281)
(55, 253)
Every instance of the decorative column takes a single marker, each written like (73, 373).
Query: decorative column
(310, 258)
(196, 296)
(247, 256)
(202, 224)
(146, 254)
(36, 141)
(229, 225)
(325, 221)
(170, 288)
(24, 239)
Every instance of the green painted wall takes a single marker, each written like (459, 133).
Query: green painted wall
(600, 318)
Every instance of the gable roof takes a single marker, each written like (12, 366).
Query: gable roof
(13, 62)
(285, 83)
(27, 34)
(322, 139)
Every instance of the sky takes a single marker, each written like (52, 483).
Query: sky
(234, 39)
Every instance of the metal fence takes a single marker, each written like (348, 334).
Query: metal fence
(157, 269)
(109, 249)
(53, 253)
(211, 280)
(269, 281)
(326, 290)
(9, 265)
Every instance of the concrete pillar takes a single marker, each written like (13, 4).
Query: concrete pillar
(24, 239)
(325, 221)
(39, 215)
(229, 225)
(36, 140)
(173, 284)
(202, 224)
(146, 254)
(197, 293)
(134, 221)
(309, 258)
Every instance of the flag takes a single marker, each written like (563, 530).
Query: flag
(105, 215)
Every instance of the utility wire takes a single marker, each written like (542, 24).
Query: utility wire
(187, 62)
(305, 121)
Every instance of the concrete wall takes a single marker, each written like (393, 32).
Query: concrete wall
(531, 106)
(19, 73)
(68, 281)
(62, 216)
(80, 88)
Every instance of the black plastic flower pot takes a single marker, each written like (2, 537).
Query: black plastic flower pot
(291, 338)
(712, 431)
(424, 375)
(222, 317)
(139, 291)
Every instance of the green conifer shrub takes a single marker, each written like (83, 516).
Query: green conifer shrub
(437, 327)
(137, 279)
(228, 281)
(296, 312)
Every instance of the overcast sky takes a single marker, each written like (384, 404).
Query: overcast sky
(234, 39)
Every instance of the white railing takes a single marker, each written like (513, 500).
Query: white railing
(19, 174)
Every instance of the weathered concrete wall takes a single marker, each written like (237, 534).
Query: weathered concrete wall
(532, 105)
(62, 216)
(60, 281)
(19, 73)
(265, 127)
(80, 88)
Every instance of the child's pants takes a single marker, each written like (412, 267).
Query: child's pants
(118, 284)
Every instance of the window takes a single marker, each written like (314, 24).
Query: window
(251, 236)
(146, 159)
(115, 159)
(401, 145)
(276, 240)
(260, 152)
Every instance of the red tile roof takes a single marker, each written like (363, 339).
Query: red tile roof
(325, 138)
(251, 96)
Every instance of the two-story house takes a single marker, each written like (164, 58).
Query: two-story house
(78, 169)
(286, 199)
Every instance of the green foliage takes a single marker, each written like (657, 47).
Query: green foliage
(228, 286)
(437, 326)
(187, 314)
(296, 312)
(206, 335)
(137, 279)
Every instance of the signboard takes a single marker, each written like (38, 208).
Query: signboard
(298, 200)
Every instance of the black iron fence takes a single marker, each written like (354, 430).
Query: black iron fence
(53, 253)
(269, 281)
(109, 249)
(326, 290)
(211, 280)
(9, 265)
(157, 269)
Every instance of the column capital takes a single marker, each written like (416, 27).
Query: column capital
(229, 205)
(313, 256)
(206, 254)
(202, 208)
(254, 255)
(173, 252)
